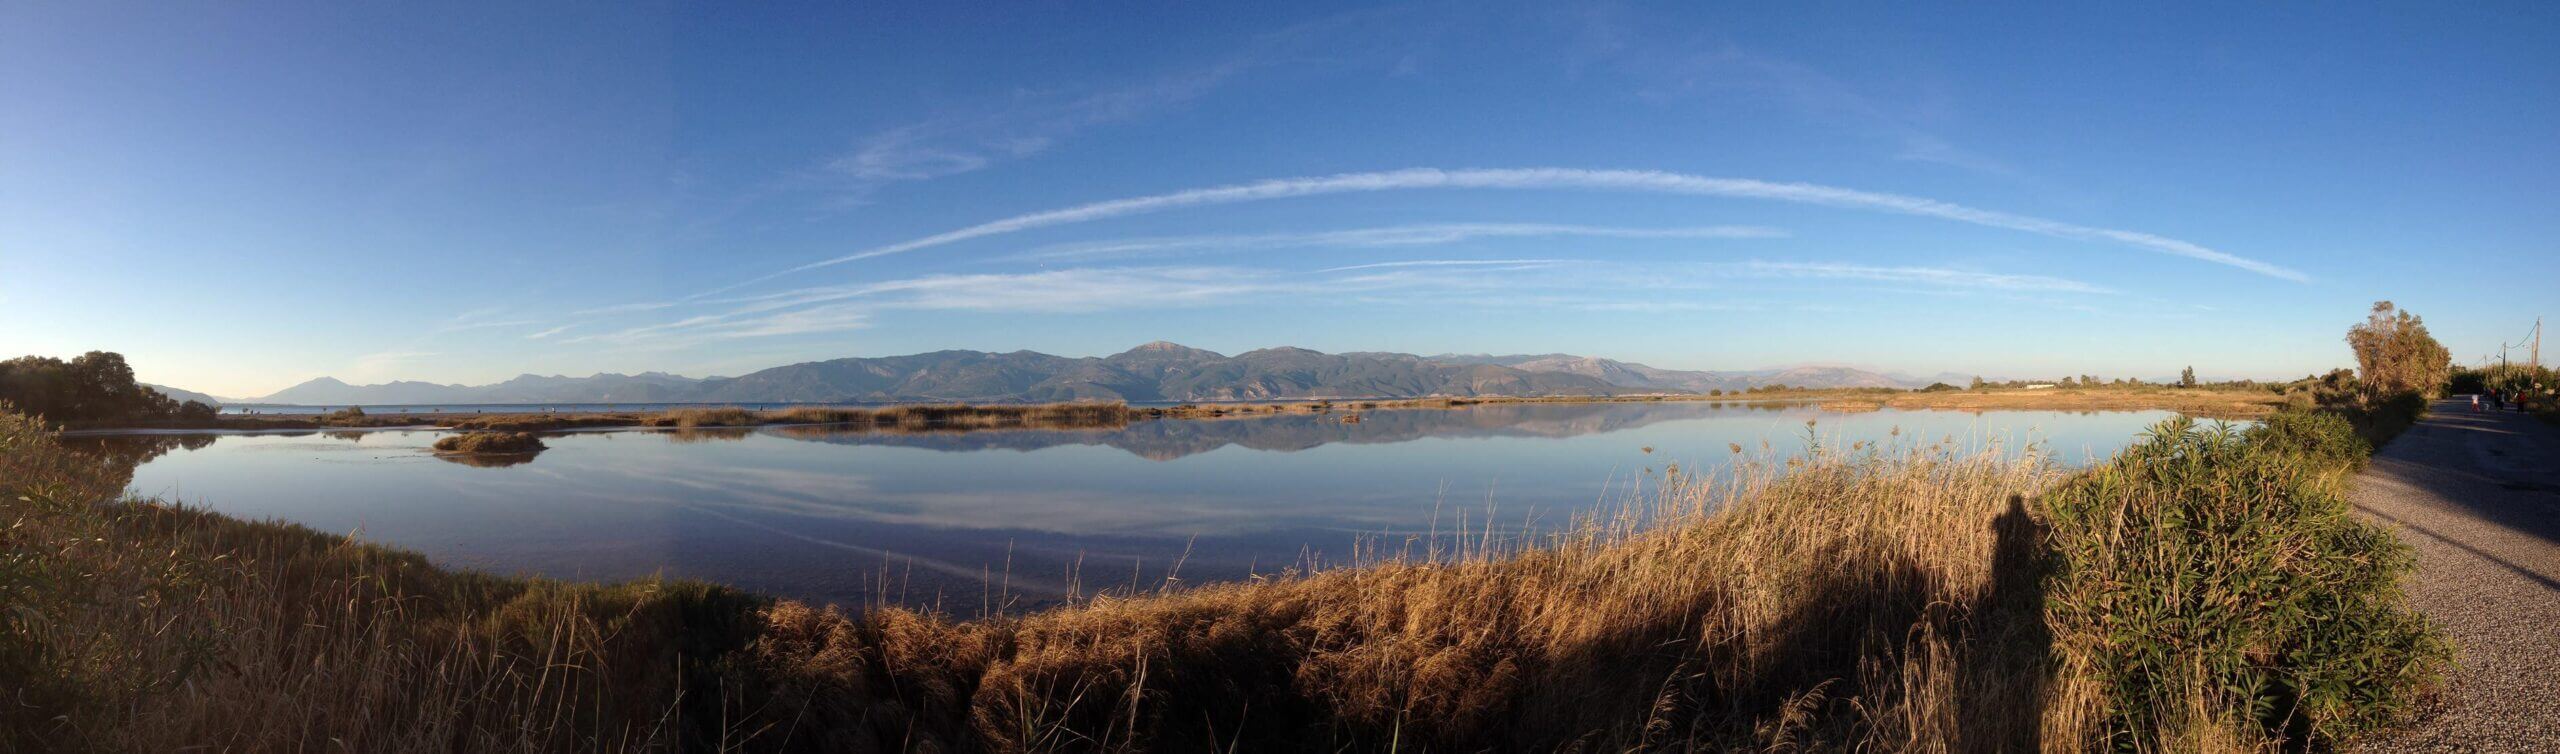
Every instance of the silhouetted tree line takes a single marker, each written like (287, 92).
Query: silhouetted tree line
(96, 386)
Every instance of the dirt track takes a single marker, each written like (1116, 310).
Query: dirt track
(2478, 495)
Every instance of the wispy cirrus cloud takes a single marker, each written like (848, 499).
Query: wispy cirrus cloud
(1932, 276)
(1505, 263)
(480, 319)
(1025, 122)
(1817, 95)
(1645, 181)
(1051, 292)
(1391, 236)
(1597, 285)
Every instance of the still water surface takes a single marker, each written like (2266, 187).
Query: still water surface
(850, 517)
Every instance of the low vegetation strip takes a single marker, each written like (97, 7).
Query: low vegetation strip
(2205, 591)
(2215, 403)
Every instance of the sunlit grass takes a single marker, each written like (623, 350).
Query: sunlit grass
(1896, 597)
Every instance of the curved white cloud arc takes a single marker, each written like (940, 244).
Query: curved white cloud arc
(1559, 178)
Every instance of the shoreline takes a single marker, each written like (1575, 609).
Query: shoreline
(2203, 403)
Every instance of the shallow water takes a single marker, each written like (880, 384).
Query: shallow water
(828, 514)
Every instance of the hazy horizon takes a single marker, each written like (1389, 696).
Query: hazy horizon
(240, 198)
(2155, 375)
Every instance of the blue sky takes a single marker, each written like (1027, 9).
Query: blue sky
(244, 196)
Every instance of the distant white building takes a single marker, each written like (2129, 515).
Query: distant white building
(2039, 385)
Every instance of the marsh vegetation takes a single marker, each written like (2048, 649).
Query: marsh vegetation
(1904, 596)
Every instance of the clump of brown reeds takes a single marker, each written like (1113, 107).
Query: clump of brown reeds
(690, 418)
(491, 442)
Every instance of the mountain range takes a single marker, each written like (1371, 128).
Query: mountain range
(183, 396)
(1155, 372)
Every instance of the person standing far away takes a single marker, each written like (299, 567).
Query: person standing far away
(2475, 403)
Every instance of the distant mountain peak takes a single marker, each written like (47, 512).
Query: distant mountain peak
(1169, 348)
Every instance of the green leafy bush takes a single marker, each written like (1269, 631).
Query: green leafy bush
(2210, 579)
(2321, 436)
(2386, 418)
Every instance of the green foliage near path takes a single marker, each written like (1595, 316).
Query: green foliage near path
(2216, 585)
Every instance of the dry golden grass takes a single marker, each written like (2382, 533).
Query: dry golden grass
(2208, 403)
(146, 627)
(1868, 601)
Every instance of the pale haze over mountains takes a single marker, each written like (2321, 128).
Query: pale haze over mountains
(1157, 371)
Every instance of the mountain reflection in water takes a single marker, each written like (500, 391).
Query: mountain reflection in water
(856, 516)
(1169, 440)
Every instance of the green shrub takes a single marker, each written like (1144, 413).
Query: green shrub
(2322, 436)
(2386, 418)
(2206, 569)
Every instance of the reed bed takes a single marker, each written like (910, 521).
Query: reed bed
(1904, 598)
(1837, 603)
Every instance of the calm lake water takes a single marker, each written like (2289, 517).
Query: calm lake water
(849, 517)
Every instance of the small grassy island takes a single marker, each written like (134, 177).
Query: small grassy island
(491, 443)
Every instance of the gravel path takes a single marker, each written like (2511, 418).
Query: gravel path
(2478, 495)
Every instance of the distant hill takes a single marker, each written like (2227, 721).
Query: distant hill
(183, 396)
(647, 387)
(1629, 374)
(1153, 372)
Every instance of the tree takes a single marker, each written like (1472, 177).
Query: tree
(2395, 355)
(93, 386)
(197, 411)
(1977, 383)
(2187, 378)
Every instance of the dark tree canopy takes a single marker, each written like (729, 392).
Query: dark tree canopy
(95, 386)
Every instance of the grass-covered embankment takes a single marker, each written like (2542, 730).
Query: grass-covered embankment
(2205, 591)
